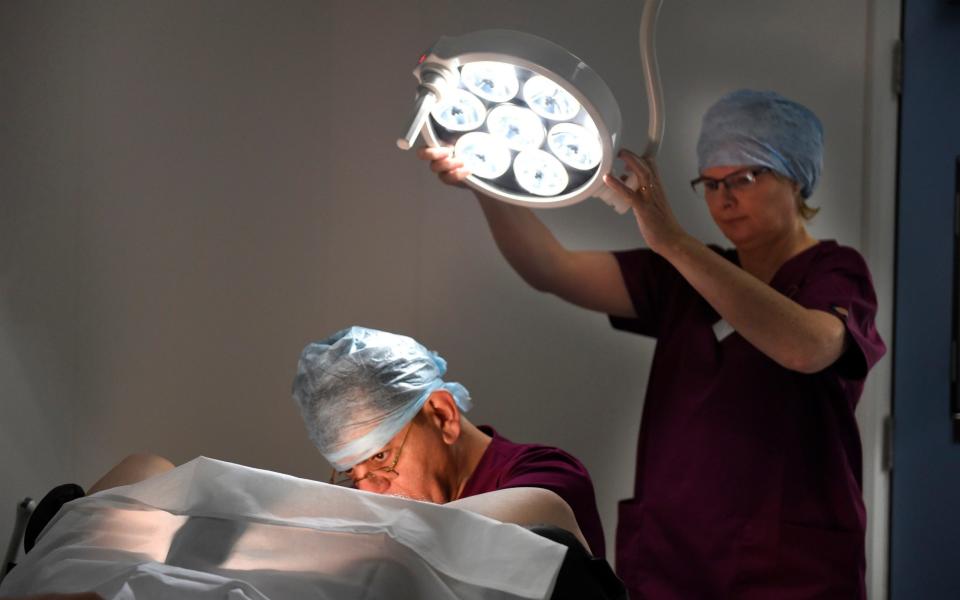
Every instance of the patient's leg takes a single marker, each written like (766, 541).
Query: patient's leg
(132, 469)
(524, 506)
(545, 513)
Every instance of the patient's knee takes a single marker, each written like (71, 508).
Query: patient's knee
(550, 508)
(146, 463)
(133, 469)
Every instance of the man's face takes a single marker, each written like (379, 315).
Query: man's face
(416, 463)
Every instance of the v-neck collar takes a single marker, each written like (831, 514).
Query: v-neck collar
(781, 279)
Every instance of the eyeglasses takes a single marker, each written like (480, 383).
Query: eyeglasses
(346, 479)
(739, 180)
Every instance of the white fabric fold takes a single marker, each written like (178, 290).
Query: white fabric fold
(212, 529)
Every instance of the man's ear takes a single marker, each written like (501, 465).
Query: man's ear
(443, 413)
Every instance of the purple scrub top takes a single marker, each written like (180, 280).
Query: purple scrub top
(508, 465)
(748, 475)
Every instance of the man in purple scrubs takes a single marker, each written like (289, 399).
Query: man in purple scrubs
(375, 405)
(377, 409)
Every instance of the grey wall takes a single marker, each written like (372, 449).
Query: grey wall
(39, 205)
(192, 191)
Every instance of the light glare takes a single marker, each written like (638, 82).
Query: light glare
(549, 100)
(460, 111)
(519, 127)
(576, 146)
(483, 154)
(540, 173)
(493, 81)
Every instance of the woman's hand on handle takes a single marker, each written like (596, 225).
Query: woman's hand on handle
(655, 219)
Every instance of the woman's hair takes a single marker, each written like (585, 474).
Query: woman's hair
(807, 212)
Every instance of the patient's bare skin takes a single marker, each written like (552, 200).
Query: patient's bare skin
(132, 469)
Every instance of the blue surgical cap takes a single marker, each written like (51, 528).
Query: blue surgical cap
(748, 127)
(359, 387)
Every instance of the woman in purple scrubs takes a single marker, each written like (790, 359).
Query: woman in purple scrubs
(748, 473)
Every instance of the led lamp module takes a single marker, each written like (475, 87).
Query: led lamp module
(549, 100)
(540, 173)
(460, 111)
(520, 128)
(492, 81)
(484, 155)
(534, 125)
(575, 145)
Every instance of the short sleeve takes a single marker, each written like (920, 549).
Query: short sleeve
(840, 284)
(647, 277)
(546, 467)
(555, 470)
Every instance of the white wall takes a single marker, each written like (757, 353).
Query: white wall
(215, 184)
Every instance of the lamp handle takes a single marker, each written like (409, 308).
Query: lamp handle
(615, 200)
(433, 82)
(425, 103)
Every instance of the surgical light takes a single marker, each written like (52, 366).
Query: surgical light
(533, 123)
(499, 98)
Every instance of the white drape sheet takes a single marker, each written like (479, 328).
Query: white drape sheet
(212, 529)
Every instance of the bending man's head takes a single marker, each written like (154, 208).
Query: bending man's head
(361, 392)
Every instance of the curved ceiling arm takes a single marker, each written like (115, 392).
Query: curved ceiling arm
(651, 76)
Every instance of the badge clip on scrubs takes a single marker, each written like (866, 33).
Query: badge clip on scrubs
(533, 123)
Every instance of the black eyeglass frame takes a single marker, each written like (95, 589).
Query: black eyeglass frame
(753, 173)
(343, 479)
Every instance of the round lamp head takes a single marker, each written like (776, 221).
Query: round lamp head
(533, 123)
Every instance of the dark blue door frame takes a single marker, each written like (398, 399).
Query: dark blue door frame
(925, 500)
